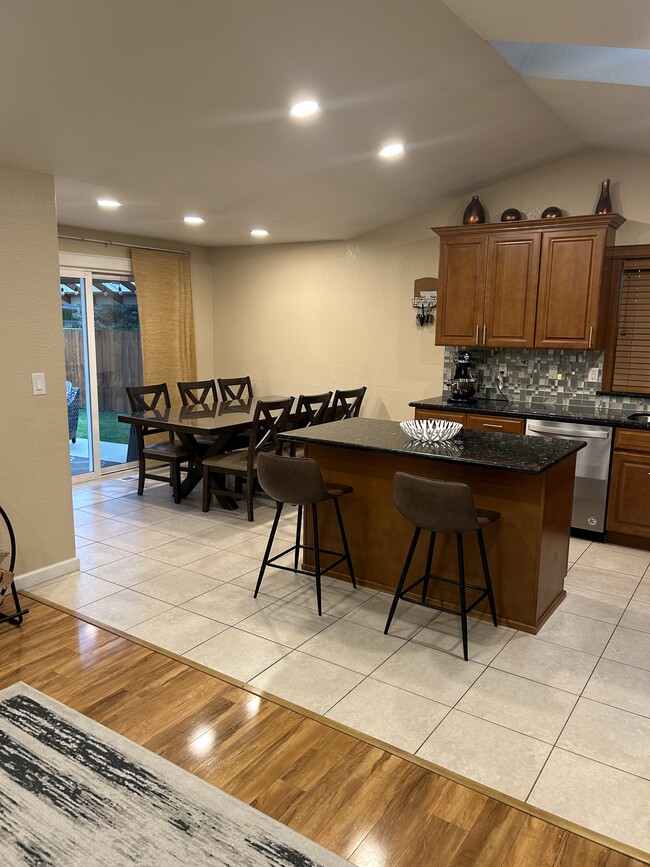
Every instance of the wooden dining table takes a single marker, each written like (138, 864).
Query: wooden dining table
(217, 422)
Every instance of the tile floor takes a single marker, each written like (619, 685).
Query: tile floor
(560, 719)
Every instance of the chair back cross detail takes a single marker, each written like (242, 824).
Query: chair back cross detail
(201, 391)
(347, 404)
(236, 388)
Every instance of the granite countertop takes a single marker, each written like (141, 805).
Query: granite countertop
(500, 451)
(587, 414)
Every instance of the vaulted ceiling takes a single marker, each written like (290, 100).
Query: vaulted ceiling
(177, 108)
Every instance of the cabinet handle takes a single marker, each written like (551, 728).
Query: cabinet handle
(477, 343)
(500, 427)
(591, 332)
(484, 329)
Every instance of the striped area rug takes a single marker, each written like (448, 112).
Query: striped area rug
(72, 792)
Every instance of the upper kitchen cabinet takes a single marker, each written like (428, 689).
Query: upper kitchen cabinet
(534, 283)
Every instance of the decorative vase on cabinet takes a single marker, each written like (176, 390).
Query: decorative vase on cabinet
(474, 212)
(604, 205)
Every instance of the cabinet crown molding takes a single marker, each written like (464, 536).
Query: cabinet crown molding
(588, 220)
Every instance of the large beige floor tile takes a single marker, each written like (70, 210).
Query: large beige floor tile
(577, 548)
(183, 525)
(637, 616)
(528, 707)
(588, 577)
(593, 604)
(629, 646)
(286, 624)
(609, 735)
(579, 633)
(306, 681)
(124, 609)
(81, 543)
(352, 646)
(223, 565)
(255, 546)
(430, 673)
(560, 667)
(110, 508)
(338, 597)
(220, 536)
(642, 592)
(228, 604)
(276, 582)
(131, 570)
(177, 586)
(83, 517)
(484, 639)
(180, 552)
(102, 529)
(75, 590)
(238, 654)
(81, 498)
(408, 620)
(490, 754)
(177, 630)
(616, 558)
(140, 540)
(620, 686)
(390, 714)
(143, 516)
(597, 796)
(99, 554)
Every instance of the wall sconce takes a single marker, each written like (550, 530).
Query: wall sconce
(425, 299)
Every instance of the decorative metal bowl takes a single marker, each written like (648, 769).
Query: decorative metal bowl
(433, 430)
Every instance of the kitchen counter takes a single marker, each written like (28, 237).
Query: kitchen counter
(502, 451)
(605, 415)
(529, 481)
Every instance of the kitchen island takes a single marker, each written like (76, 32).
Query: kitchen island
(529, 480)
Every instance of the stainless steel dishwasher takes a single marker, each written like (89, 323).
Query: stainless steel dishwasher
(592, 470)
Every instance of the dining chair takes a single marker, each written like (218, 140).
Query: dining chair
(201, 391)
(269, 420)
(311, 410)
(347, 404)
(236, 388)
(143, 398)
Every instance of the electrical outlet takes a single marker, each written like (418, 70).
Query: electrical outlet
(594, 374)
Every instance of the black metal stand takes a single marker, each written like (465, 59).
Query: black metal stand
(16, 618)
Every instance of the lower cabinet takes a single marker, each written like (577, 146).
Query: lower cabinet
(628, 509)
(496, 424)
(424, 414)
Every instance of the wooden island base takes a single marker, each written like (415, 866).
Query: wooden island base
(527, 549)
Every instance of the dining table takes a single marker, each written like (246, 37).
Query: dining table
(203, 429)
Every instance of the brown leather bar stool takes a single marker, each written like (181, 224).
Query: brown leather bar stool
(298, 481)
(442, 507)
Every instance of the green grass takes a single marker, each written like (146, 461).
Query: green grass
(110, 429)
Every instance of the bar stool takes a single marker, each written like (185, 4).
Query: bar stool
(298, 481)
(442, 507)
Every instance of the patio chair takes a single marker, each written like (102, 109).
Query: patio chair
(72, 394)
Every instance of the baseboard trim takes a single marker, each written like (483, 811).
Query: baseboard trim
(47, 573)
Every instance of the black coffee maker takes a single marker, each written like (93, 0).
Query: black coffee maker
(463, 384)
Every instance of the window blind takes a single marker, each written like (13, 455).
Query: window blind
(632, 358)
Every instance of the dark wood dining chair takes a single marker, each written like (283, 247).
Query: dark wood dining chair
(269, 420)
(144, 398)
(236, 388)
(311, 410)
(347, 404)
(201, 391)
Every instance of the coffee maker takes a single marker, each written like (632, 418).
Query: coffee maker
(463, 384)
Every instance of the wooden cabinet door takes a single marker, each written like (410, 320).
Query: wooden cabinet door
(569, 289)
(495, 424)
(511, 289)
(439, 413)
(461, 288)
(628, 508)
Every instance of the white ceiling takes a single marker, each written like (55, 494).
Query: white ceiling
(181, 107)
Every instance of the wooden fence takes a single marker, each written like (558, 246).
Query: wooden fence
(119, 363)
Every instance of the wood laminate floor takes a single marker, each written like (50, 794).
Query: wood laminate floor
(370, 806)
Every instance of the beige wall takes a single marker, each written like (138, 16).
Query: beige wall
(305, 317)
(201, 274)
(35, 487)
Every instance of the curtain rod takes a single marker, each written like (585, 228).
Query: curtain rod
(120, 244)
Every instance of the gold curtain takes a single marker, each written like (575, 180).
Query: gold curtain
(166, 314)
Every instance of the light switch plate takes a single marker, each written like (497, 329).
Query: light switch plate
(38, 383)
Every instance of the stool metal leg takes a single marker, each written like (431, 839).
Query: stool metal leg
(267, 553)
(317, 558)
(425, 583)
(463, 599)
(400, 586)
(486, 572)
(298, 528)
(344, 539)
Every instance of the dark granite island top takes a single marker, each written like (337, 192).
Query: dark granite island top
(528, 480)
(501, 451)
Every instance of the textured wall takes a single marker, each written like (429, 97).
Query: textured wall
(35, 488)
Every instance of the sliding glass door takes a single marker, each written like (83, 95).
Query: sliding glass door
(103, 355)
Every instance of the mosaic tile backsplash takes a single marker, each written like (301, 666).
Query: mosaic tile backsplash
(538, 375)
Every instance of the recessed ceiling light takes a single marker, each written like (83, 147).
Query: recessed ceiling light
(194, 220)
(108, 203)
(304, 108)
(259, 233)
(389, 151)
